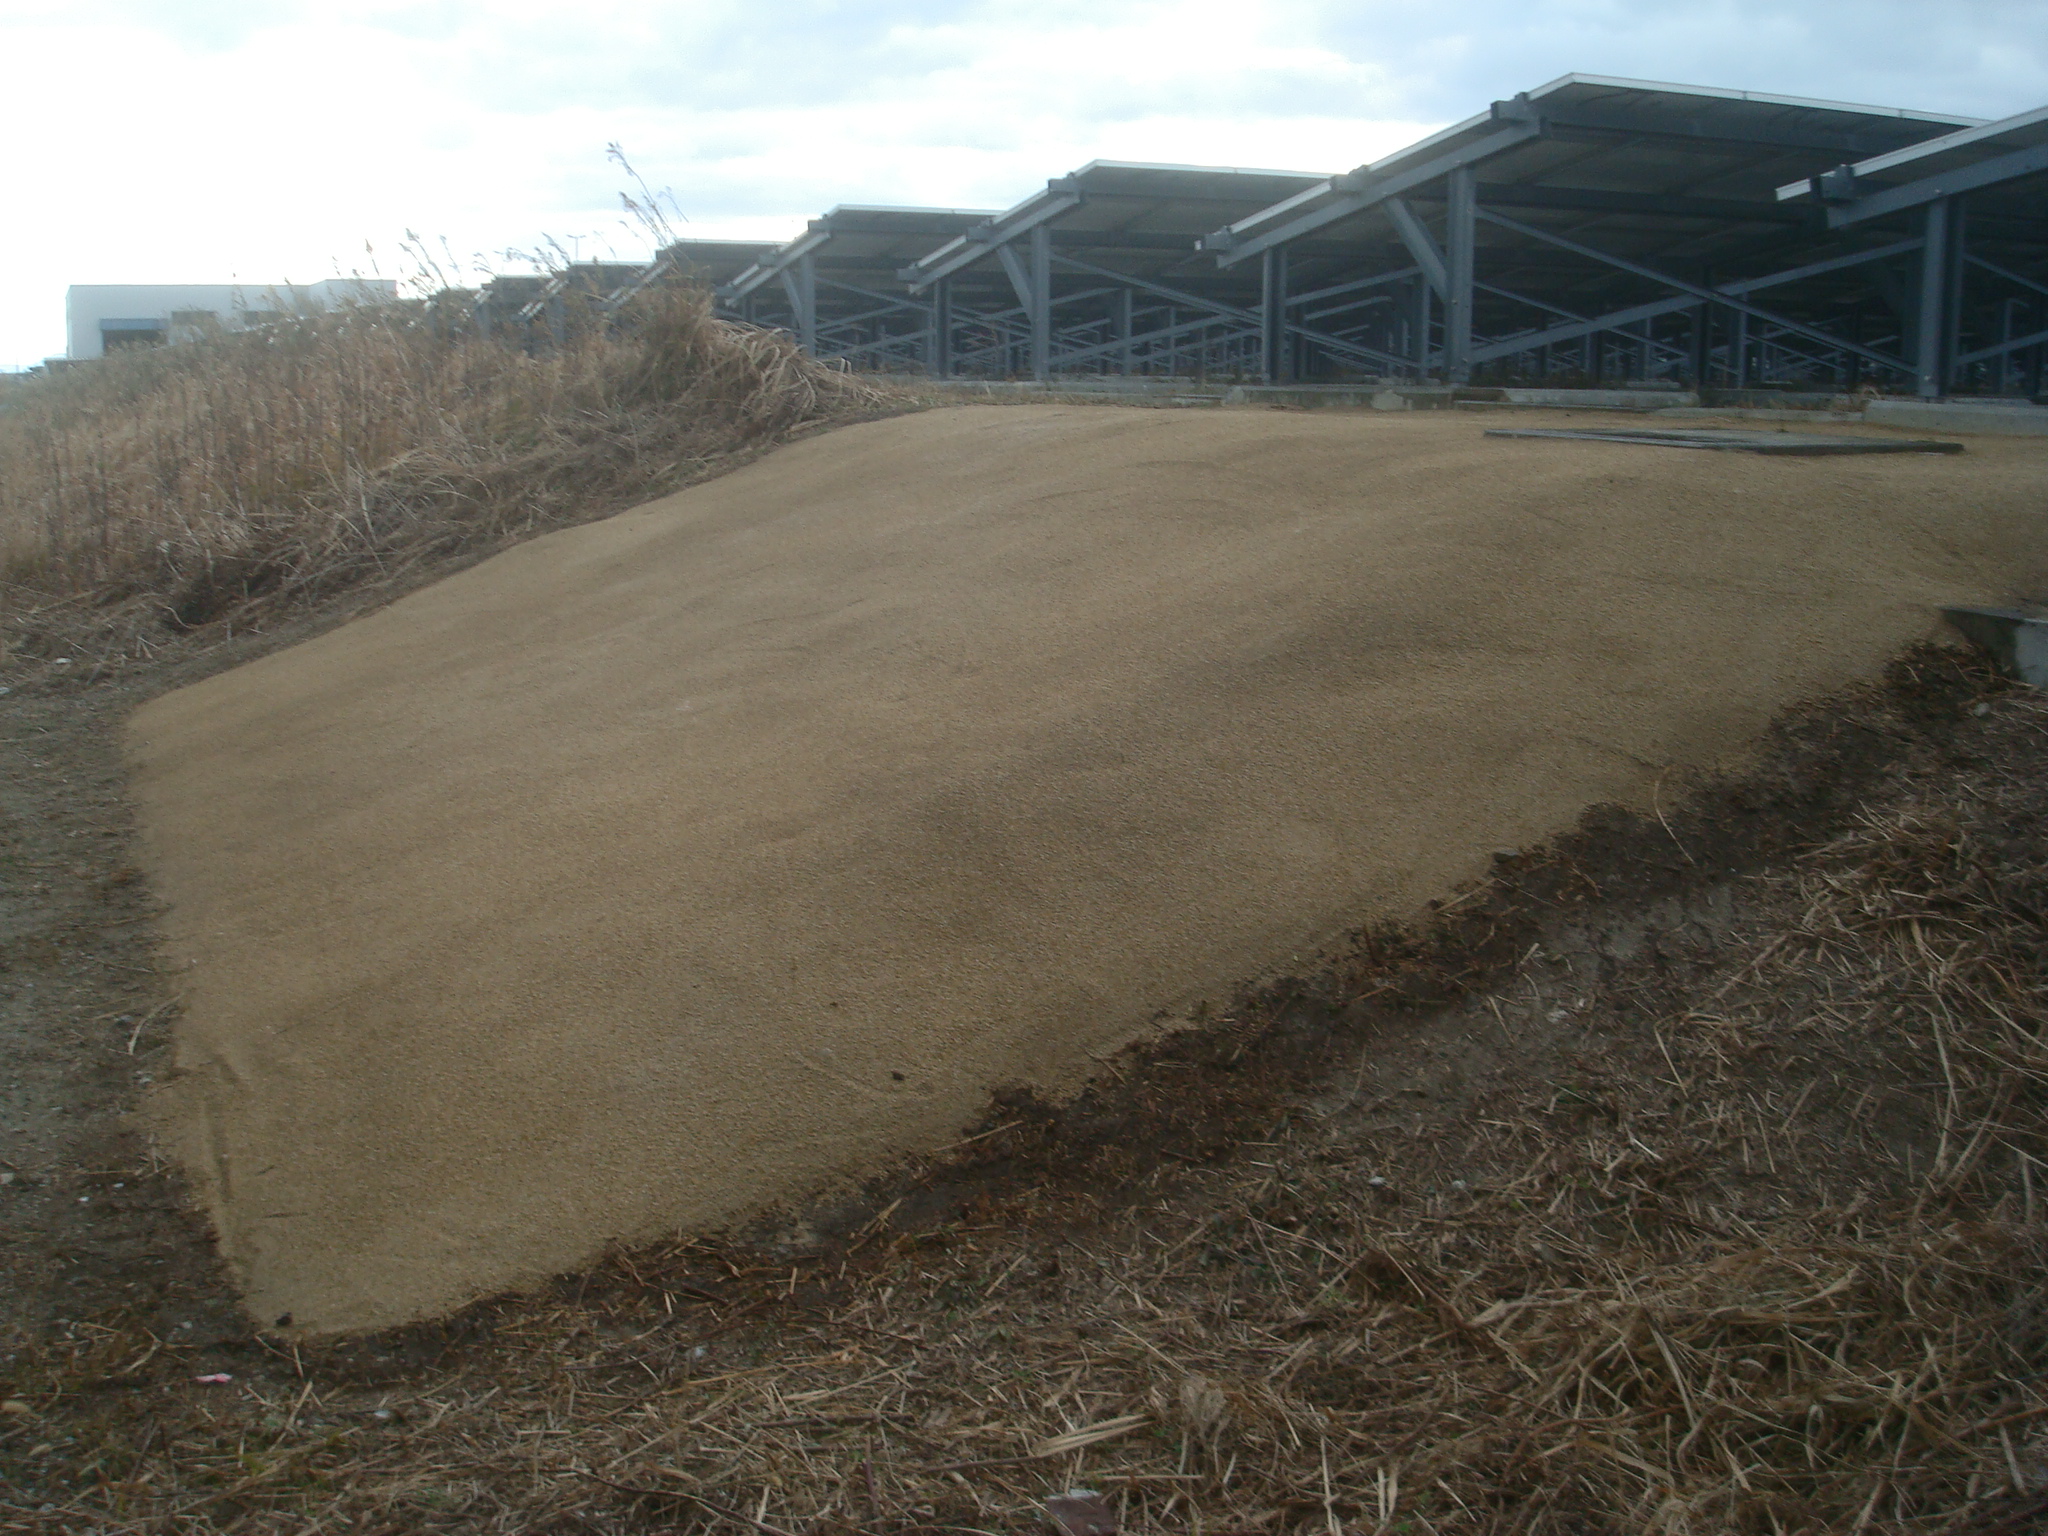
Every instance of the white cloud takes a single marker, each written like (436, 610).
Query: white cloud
(204, 140)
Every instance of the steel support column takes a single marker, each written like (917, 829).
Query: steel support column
(1274, 342)
(1422, 323)
(1461, 188)
(1041, 301)
(1931, 348)
(1126, 355)
(1954, 268)
(941, 357)
(1702, 348)
(800, 282)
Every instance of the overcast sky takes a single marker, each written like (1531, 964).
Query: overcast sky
(233, 140)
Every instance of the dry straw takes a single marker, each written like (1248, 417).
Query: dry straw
(244, 475)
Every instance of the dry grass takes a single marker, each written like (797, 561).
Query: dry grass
(234, 479)
(1742, 1234)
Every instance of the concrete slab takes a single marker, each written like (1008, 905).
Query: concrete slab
(1731, 439)
(1792, 417)
(1601, 399)
(1960, 416)
(1780, 399)
(2017, 641)
(1360, 396)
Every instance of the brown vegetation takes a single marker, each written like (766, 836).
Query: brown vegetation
(241, 476)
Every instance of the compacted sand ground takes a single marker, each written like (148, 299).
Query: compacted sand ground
(665, 867)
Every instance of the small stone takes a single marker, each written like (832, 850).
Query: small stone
(1459, 1184)
(14, 1407)
(1377, 1182)
(1080, 1512)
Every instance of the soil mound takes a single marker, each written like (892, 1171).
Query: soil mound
(665, 867)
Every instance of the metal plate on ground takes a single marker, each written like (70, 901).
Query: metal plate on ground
(1731, 439)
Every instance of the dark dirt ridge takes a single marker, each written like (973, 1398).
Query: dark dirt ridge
(1625, 912)
(89, 1217)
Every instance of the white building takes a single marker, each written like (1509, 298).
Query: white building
(104, 317)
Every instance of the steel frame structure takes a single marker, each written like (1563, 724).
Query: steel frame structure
(582, 289)
(1098, 273)
(834, 287)
(1974, 204)
(707, 263)
(1598, 227)
(1588, 231)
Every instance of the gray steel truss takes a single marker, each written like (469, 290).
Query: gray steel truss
(1588, 231)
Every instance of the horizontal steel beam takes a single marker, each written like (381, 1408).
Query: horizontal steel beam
(1818, 268)
(1718, 295)
(1165, 333)
(1860, 205)
(1556, 335)
(840, 322)
(769, 267)
(1235, 330)
(1646, 125)
(896, 301)
(2017, 344)
(1655, 204)
(1315, 295)
(1176, 243)
(2011, 277)
(1523, 298)
(1528, 341)
(1359, 190)
(1356, 349)
(1363, 301)
(965, 250)
(1145, 285)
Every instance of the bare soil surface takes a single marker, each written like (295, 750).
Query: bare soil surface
(88, 1215)
(1638, 1096)
(714, 853)
(1665, 1110)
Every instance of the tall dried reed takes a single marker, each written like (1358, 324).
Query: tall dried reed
(247, 473)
